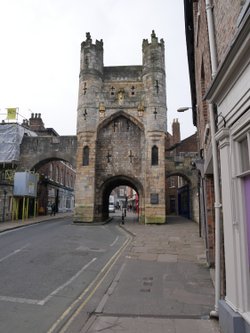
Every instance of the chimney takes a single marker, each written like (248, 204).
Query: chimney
(176, 131)
(36, 122)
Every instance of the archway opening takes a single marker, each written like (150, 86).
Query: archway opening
(123, 201)
(125, 195)
(178, 195)
(55, 187)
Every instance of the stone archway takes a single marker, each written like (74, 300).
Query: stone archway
(35, 150)
(185, 194)
(106, 189)
(120, 159)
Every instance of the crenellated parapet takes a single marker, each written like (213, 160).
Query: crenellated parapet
(88, 42)
(154, 42)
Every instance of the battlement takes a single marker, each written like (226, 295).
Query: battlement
(154, 41)
(88, 42)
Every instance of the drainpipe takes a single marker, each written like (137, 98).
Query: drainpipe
(217, 203)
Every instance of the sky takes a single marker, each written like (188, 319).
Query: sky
(40, 53)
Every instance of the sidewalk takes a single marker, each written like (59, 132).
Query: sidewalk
(163, 284)
(8, 225)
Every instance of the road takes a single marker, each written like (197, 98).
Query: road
(47, 270)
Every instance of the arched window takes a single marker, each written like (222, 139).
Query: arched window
(85, 157)
(57, 174)
(154, 156)
(51, 171)
(62, 176)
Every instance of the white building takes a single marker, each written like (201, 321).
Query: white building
(230, 92)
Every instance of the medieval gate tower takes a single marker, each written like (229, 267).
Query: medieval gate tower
(121, 130)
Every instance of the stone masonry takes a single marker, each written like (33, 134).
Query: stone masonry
(121, 131)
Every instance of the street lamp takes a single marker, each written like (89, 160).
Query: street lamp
(184, 108)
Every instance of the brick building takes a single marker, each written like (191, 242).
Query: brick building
(56, 185)
(177, 186)
(218, 43)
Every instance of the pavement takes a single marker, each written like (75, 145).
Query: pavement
(163, 284)
(9, 225)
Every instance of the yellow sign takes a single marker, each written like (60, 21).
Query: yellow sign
(11, 113)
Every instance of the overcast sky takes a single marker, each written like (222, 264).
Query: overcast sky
(40, 52)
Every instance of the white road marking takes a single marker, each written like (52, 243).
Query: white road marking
(13, 253)
(115, 241)
(19, 300)
(56, 291)
(46, 299)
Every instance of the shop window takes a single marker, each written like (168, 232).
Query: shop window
(244, 174)
(244, 155)
(246, 181)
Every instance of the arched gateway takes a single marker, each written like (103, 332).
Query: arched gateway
(121, 132)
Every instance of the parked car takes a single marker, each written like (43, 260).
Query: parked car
(111, 207)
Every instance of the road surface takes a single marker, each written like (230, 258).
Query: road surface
(47, 270)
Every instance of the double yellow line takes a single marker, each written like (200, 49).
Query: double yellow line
(91, 289)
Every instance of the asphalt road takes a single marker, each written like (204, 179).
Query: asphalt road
(47, 270)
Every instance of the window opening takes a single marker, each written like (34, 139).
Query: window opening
(85, 160)
(154, 157)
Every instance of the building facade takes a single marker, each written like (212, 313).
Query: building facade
(121, 131)
(182, 196)
(55, 177)
(218, 43)
(56, 186)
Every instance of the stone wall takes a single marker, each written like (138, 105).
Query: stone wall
(34, 151)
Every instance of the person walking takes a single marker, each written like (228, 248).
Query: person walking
(53, 209)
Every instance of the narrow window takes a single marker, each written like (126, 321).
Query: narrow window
(57, 174)
(154, 156)
(51, 171)
(85, 159)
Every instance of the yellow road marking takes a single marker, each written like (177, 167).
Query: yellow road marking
(114, 258)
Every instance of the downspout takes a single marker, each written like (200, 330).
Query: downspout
(217, 203)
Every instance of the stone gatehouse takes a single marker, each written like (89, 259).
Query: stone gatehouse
(121, 132)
